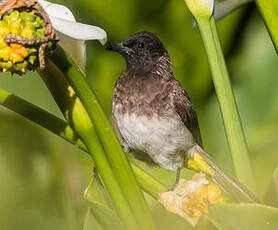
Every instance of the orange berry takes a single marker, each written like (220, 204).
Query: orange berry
(14, 57)
(19, 49)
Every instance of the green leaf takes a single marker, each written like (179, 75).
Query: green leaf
(271, 196)
(269, 11)
(275, 181)
(99, 206)
(245, 216)
(91, 222)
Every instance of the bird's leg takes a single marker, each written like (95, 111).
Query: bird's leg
(177, 179)
(178, 176)
(178, 173)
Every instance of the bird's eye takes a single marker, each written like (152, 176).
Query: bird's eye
(141, 45)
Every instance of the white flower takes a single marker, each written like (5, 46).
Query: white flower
(72, 34)
(223, 8)
(219, 8)
(200, 8)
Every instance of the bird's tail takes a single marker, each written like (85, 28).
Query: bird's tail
(199, 160)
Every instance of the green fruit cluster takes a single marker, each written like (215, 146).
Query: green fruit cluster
(18, 58)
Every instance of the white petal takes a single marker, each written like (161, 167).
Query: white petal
(223, 8)
(57, 10)
(78, 30)
(76, 49)
(63, 20)
(72, 34)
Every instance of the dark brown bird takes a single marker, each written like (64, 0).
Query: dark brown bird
(153, 112)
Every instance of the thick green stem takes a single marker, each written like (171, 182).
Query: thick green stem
(226, 100)
(113, 150)
(40, 117)
(90, 138)
(72, 108)
(148, 183)
(63, 130)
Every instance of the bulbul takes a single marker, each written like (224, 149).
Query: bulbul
(153, 112)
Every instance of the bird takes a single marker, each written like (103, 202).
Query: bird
(153, 112)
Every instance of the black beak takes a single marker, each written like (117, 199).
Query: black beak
(118, 47)
(115, 47)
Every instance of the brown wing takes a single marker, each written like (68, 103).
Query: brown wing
(186, 112)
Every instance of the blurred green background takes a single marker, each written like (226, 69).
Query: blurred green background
(42, 178)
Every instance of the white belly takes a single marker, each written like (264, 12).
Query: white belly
(164, 140)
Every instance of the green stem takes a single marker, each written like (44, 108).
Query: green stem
(90, 138)
(63, 130)
(228, 107)
(148, 183)
(40, 117)
(113, 150)
(72, 108)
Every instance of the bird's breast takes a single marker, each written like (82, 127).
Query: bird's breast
(162, 138)
(142, 96)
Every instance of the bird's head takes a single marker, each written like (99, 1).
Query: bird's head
(141, 50)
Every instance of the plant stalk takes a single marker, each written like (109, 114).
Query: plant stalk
(227, 103)
(62, 129)
(105, 132)
(72, 108)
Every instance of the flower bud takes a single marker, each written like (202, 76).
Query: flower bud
(200, 8)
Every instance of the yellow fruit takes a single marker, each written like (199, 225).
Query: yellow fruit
(27, 32)
(4, 30)
(19, 49)
(25, 24)
(15, 57)
(5, 53)
(15, 27)
(2, 43)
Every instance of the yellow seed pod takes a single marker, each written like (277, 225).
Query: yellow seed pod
(4, 30)
(15, 27)
(6, 65)
(27, 32)
(2, 43)
(15, 57)
(19, 49)
(5, 53)
(21, 23)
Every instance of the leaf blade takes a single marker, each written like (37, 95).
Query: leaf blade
(246, 216)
